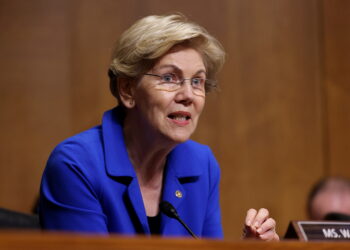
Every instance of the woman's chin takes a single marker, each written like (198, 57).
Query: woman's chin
(179, 137)
(176, 134)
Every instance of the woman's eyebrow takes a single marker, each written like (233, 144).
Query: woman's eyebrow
(169, 66)
(174, 67)
(201, 71)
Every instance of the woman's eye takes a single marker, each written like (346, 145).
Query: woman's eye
(169, 78)
(197, 82)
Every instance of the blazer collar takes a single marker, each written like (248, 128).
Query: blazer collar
(117, 159)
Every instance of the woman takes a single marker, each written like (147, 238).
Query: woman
(113, 177)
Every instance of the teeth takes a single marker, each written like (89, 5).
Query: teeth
(180, 118)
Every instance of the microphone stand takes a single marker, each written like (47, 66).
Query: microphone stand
(168, 209)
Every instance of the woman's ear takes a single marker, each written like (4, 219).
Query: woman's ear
(126, 91)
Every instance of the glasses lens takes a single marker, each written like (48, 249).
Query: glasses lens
(171, 82)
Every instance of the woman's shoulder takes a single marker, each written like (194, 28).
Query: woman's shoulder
(82, 146)
(86, 138)
(80, 155)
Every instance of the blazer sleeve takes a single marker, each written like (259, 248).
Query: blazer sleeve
(212, 226)
(68, 199)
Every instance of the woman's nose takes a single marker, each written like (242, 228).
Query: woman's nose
(185, 93)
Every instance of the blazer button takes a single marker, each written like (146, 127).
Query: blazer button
(178, 194)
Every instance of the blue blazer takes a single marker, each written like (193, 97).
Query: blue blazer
(89, 185)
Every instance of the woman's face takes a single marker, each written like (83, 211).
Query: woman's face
(167, 110)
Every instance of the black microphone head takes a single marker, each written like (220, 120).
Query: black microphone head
(168, 209)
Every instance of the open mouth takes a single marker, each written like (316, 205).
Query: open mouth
(180, 116)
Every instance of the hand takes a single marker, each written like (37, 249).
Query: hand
(259, 225)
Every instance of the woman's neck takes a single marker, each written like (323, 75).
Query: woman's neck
(148, 153)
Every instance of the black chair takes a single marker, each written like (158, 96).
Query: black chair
(15, 220)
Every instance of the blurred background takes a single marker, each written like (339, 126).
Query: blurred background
(279, 122)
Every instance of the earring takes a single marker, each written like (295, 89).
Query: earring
(131, 102)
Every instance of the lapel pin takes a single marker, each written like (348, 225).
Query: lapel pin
(178, 194)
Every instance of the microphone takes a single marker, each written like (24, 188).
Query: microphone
(171, 212)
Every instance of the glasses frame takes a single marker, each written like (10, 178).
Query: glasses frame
(181, 81)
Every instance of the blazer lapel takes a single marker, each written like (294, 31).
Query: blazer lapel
(135, 198)
(118, 164)
(179, 165)
(174, 193)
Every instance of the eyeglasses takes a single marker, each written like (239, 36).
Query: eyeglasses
(171, 82)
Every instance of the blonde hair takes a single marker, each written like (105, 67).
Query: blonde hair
(153, 36)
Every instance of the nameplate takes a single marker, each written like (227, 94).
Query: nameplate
(319, 230)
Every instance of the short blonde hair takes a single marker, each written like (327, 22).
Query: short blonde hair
(153, 36)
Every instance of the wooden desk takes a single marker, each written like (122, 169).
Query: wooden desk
(61, 241)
